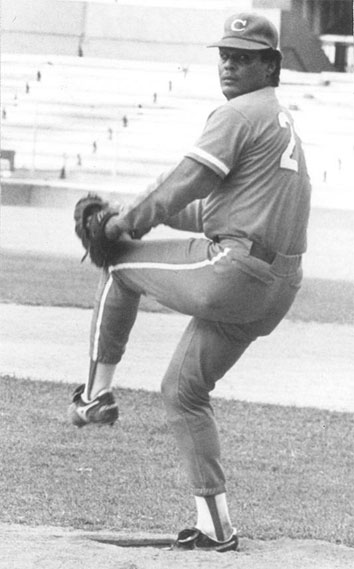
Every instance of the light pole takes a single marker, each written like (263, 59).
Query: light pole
(83, 29)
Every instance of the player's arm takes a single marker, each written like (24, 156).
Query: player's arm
(188, 219)
(190, 180)
(201, 171)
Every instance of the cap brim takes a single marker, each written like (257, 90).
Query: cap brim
(236, 43)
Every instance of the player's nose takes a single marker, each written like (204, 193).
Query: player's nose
(229, 63)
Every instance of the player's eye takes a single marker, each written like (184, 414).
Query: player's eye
(236, 58)
(224, 55)
(243, 59)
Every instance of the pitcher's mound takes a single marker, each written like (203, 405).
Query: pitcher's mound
(26, 547)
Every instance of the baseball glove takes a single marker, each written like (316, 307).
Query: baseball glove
(91, 214)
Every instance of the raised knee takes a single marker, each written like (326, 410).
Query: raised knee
(208, 300)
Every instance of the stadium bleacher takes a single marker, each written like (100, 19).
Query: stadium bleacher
(85, 120)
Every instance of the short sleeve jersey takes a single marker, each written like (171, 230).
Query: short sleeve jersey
(251, 143)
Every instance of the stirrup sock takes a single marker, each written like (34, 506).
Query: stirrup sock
(213, 517)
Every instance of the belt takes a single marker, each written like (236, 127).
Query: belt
(262, 253)
(256, 250)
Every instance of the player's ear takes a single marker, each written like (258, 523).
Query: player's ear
(271, 66)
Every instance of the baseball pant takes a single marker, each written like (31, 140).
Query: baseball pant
(232, 297)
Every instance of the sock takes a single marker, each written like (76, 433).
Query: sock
(86, 396)
(101, 392)
(213, 517)
(99, 380)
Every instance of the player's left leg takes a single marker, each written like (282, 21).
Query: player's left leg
(113, 317)
(178, 273)
(206, 351)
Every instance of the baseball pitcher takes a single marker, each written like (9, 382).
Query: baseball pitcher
(243, 186)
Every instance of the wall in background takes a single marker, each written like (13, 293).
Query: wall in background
(117, 31)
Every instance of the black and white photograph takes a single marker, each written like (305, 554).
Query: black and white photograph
(177, 284)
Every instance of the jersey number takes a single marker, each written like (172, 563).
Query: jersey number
(287, 158)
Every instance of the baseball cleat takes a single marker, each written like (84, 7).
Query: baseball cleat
(102, 411)
(194, 539)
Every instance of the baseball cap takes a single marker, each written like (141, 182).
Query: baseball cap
(248, 30)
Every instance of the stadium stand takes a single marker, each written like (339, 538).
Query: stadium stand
(85, 120)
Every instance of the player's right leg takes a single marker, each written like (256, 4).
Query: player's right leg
(204, 354)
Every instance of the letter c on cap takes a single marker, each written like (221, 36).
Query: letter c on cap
(238, 25)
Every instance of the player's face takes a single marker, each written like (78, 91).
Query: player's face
(242, 71)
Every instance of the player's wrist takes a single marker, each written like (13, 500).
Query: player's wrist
(115, 227)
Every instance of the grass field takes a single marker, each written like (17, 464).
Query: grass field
(290, 470)
(62, 281)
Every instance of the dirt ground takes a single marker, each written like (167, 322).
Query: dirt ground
(23, 547)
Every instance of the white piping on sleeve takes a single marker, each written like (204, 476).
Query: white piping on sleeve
(210, 158)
